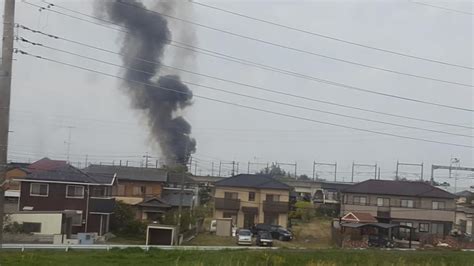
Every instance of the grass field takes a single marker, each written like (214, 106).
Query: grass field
(238, 257)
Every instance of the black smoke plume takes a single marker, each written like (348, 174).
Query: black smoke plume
(146, 37)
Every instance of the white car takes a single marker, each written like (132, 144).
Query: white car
(212, 227)
(244, 237)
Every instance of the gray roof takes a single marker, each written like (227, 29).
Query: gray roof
(154, 203)
(172, 198)
(252, 181)
(175, 178)
(130, 173)
(468, 210)
(71, 174)
(465, 193)
(399, 188)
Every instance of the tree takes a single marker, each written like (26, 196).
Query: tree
(273, 170)
(204, 195)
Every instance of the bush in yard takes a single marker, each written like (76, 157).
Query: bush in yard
(124, 222)
(303, 210)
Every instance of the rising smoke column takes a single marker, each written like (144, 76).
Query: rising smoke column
(146, 37)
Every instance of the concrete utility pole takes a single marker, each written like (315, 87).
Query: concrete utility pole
(5, 92)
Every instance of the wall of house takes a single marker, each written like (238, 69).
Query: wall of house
(422, 209)
(152, 189)
(260, 196)
(469, 221)
(55, 201)
(50, 222)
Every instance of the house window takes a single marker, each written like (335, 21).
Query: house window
(231, 195)
(99, 192)
(272, 197)
(438, 205)
(360, 200)
(32, 227)
(75, 192)
(383, 202)
(406, 203)
(251, 196)
(139, 190)
(424, 227)
(39, 190)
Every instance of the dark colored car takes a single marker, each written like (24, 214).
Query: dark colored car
(282, 234)
(277, 231)
(264, 238)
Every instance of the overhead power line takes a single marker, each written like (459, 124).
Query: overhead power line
(21, 52)
(248, 85)
(298, 75)
(321, 35)
(269, 43)
(442, 7)
(249, 96)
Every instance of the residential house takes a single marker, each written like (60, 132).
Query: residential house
(465, 212)
(55, 186)
(417, 204)
(151, 191)
(251, 199)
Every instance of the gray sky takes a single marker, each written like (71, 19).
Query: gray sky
(48, 98)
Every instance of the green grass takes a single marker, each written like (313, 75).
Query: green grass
(237, 257)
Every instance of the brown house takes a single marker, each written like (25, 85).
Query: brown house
(68, 189)
(151, 191)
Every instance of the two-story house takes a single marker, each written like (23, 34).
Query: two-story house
(429, 209)
(65, 188)
(151, 191)
(251, 199)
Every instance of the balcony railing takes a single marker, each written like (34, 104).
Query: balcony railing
(227, 204)
(275, 206)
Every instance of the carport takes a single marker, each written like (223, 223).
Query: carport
(383, 226)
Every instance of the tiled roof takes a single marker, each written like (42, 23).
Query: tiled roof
(175, 178)
(71, 174)
(130, 173)
(46, 164)
(399, 188)
(252, 181)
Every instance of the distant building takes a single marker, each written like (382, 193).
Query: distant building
(251, 199)
(417, 204)
(55, 186)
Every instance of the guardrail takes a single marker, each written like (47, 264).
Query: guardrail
(66, 248)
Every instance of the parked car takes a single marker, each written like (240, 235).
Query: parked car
(212, 227)
(244, 237)
(264, 238)
(277, 231)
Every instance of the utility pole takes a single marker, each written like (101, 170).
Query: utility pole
(69, 142)
(181, 192)
(220, 167)
(85, 164)
(147, 157)
(233, 168)
(212, 168)
(5, 92)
